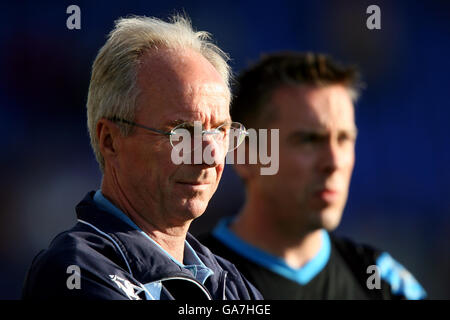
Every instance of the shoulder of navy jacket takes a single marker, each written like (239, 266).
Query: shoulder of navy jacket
(81, 247)
(87, 210)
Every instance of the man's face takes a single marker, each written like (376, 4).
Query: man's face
(317, 141)
(176, 86)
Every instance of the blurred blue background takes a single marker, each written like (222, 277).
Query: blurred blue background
(400, 193)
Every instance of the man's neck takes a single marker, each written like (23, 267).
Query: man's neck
(170, 238)
(253, 226)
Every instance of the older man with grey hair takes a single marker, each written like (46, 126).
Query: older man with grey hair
(151, 82)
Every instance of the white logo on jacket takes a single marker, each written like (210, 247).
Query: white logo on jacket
(130, 289)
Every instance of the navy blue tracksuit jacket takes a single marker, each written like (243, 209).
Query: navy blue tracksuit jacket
(115, 261)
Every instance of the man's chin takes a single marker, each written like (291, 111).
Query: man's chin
(193, 208)
(329, 218)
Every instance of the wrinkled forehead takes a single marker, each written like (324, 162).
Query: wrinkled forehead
(182, 82)
(196, 101)
(205, 90)
(181, 70)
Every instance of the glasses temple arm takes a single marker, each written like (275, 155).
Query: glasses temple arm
(131, 123)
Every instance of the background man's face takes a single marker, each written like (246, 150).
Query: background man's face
(175, 86)
(317, 140)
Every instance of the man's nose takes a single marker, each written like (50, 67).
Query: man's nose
(331, 157)
(213, 151)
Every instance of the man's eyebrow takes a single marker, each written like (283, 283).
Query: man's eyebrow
(221, 122)
(310, 132)
(323, 132)
(174, 123)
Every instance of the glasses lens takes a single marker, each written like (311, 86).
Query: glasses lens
(236, 136)
(183, 138)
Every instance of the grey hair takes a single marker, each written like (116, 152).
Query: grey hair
(113, 89)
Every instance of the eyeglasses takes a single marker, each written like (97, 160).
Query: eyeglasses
(229, 134)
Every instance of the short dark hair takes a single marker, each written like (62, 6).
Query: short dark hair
(254, 86)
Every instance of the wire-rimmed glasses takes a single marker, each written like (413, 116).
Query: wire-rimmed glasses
(189, 136)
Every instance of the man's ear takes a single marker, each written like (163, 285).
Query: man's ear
(108, 138)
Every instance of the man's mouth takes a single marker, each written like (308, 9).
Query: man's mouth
(328, 195)
(194, 182)
(196, 185)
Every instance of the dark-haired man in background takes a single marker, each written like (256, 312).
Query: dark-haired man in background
(281, 239)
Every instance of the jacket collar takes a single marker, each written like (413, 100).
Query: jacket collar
(146, 261)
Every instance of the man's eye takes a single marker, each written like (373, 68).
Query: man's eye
(184, 127)
(346, 138)
(311, 138)
(224, 129)
(305, 139)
